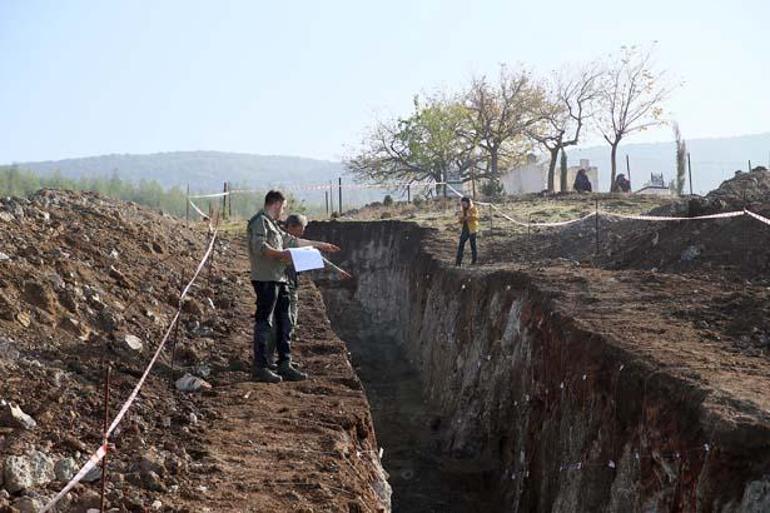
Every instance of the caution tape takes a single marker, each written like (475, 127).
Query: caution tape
(94, 460)
(200, 212)
(736, 213)
(102, 451)
(758, 217)
(320, 187)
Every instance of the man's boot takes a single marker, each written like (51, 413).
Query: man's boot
(287, 371)
(265, 375)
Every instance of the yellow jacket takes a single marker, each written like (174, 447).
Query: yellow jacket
(471, 216)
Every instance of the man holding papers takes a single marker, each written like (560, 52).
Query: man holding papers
(269, 255)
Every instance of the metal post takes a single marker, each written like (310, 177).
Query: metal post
(187, 206)
(326, 199)
(340, 189)
(749, 169)
(224, 200)
(529, 239)
(596, 226)
(689, 171)
(408, 193)
(229, 201)
(173, 345)
(104, 433)
(331, 197)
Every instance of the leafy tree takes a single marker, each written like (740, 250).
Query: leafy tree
(423, 146)
(499, 116)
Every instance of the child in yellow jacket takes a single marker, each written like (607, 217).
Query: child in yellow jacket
(469, 219)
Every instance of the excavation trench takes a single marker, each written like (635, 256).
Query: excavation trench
(488, 394)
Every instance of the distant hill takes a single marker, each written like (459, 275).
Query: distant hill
(713, 160)
(206, 171)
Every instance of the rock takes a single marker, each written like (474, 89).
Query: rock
(190, 383)
(65, 469)
(7, 308)
(132, 343)
(107, 321)
(93, 475)
(7, 217)
(4, 257)
(29, 504)
(192, 307)
(152, 481)
(151, 461)
(120, 277)
(691, 253)
(23, 319)
(28, 471)
(13, 416)
(38, 295)
(73, 326)
(8, 349)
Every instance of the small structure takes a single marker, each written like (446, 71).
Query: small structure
(656, 186)
(532, 177)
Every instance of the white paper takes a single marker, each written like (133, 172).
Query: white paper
(305, 259)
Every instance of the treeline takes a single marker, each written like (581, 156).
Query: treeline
(19, 182)
(488, 127)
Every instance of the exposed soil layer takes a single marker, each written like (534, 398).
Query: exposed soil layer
(78, 273)
(578, 388)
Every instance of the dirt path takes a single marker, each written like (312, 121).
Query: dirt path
(305, 447)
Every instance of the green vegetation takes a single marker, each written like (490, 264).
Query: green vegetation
(18, 182)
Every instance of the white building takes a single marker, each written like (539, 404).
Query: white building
(533, 177)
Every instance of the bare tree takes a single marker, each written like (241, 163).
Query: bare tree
(564, 114)
(631, 94)
(681, 159)
(499, 116)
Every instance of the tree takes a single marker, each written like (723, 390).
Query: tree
(499, 117)
(563, 186)
(681, 159)
(568, 105)
(425, 146)
(631, 93)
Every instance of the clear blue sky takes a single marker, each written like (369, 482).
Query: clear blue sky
(304, 78)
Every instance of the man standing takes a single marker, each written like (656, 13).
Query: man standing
(269, 258)
(469, 219)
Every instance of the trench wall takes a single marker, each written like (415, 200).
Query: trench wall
(560, 419)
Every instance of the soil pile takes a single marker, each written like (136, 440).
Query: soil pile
(86, 282)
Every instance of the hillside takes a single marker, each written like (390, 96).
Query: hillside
(713, 160)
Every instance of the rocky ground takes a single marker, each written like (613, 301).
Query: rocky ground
(87, 283)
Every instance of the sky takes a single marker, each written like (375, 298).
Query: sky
(84, 78)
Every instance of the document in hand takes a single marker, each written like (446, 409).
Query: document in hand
(305, 259)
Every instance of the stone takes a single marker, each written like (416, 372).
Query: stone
(72, 326)
(38, 295)
(7, 217)
(133, 343)
(691, 253)
(65, 469)
(190, 383)
(29, 504)
(7, 308)
(152, 481)
(8, 349)
(4, 257)
(12, 415)
(93, 475)
(23, 319)
(28, 471)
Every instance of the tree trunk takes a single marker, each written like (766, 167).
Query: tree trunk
(493, 163)
(613, 166)
(563, 185)
(552, 170)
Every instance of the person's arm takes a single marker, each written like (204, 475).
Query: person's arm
(260, 246)
(326, 247)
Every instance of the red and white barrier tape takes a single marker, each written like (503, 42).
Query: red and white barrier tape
(758, 217)
(100, 453)
(641, 217)
(199, 211)
(320, 187)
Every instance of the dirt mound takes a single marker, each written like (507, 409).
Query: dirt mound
(739, 192)
(86, 282)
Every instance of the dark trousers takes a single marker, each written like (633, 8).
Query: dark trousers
(272, 307)
(465, 237)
